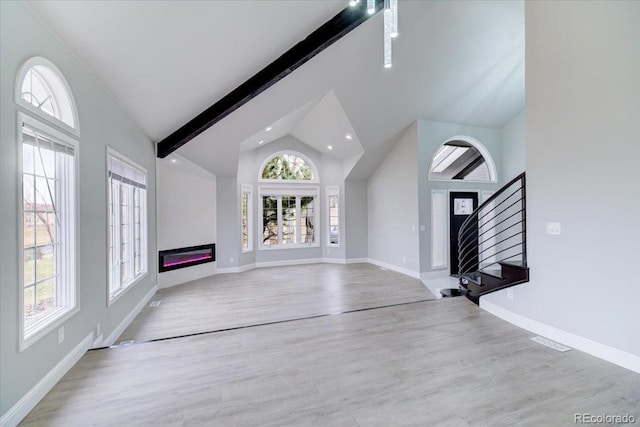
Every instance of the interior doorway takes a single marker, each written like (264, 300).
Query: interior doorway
(461, 205)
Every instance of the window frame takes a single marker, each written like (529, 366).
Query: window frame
(112, 297)
(33, 110)
(248, 190)
(69, 254)
(333, 191)
(291, 190)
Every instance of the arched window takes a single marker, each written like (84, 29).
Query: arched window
(42, 90)
(48, 289)
(463, 158)
(288, 205)
(288, 166)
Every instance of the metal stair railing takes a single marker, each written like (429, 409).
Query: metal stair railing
(495, 232)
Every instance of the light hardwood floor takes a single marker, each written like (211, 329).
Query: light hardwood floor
(434, 363)
(270, 295)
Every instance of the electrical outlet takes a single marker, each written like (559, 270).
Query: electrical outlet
(98, 329)
(60, 335)
(554, 228)
(231, 260)
(510, 293)
(404, 259)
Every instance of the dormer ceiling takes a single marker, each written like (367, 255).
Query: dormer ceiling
(166, 62)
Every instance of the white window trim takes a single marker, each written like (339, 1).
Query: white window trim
(56, 318)
(289, 190)
(333, 191)
(309, 163)
(31, 109)
(112, 298)
(248, 189)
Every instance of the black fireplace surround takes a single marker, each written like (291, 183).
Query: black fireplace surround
(174, 259)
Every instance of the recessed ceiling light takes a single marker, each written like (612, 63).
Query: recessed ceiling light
(173, 160)
(352, 3)
(330, 147)
(268, 128)
(348, 136)
(261, 142)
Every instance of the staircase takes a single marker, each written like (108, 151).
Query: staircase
(492, 243)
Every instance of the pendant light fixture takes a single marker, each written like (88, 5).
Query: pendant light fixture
(390, 24)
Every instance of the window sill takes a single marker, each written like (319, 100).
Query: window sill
(116, 296)
(44, 326)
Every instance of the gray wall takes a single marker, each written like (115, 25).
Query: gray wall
(357, 220)
(392, 199)
(186, 214)
(102, 123)
(513, 149)
(229, 242)
(583, 157)
(431, 135)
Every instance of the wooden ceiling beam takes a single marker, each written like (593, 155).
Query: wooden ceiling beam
(323, 37)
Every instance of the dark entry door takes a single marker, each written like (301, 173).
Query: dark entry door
(461, 205)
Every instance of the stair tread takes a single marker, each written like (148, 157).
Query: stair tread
(517, 264)
(493, 273)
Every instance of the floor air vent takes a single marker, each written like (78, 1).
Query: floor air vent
(155, 303)
(551, 344)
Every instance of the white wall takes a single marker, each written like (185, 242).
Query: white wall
(392, 198)
(583, 158)
(513, 148)
(102, 123)
(186, 214)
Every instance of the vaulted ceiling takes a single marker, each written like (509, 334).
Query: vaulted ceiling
(165, 62)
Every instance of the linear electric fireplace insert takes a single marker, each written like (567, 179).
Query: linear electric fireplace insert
(186, 257)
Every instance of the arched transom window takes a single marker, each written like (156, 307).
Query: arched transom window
(43, 90)
(462, 158)
(288, 167)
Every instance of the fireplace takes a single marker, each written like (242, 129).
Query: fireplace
(174, 259)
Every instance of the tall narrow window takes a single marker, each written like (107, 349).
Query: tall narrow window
(48, 289)
(247, 218)
(333, 210)
(127, 223)
(48, 210)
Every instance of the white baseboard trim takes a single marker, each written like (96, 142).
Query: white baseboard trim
(20, 410)
(241, 269)
(288, 262)
(437, 274)
(248, 267)
(98, 341)
(395, 268)
(599, 350)
(113, 336)
(334, 261)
